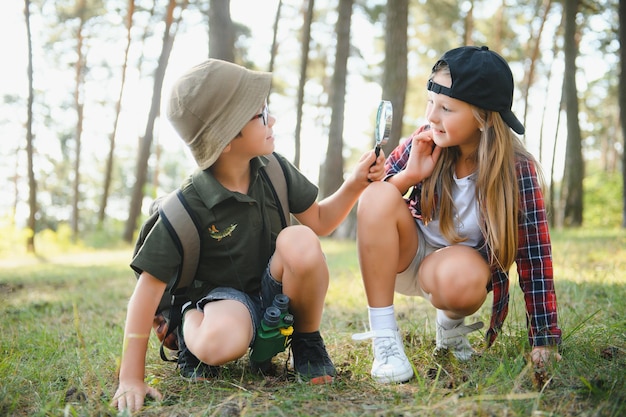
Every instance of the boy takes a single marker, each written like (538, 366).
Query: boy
(218, 109)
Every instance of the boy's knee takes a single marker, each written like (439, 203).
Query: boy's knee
(298, 241)
(300, 249)
(215, 348)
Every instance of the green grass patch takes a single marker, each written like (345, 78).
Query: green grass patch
(63, 317)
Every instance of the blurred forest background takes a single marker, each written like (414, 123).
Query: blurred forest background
(86, 149)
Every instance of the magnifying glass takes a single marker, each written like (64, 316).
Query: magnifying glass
(384, 118)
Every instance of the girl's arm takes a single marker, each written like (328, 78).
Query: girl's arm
(534, 264)
(143, 303)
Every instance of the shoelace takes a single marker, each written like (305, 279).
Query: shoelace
(383, 340)
(386, 348)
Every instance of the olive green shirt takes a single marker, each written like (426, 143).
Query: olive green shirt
(238, 231)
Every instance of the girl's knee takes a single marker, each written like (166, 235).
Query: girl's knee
(459, 285)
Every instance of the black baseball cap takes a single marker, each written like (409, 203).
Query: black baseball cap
(482, 78)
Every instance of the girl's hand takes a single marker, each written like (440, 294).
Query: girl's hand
(542, 355)
(130, 396)
(423, 157)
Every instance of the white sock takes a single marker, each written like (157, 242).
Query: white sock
(446, 322)
(382, 318)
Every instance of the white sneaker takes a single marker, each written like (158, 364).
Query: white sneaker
(390, 362)
(454, 339)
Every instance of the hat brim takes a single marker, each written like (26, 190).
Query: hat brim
(510, 119)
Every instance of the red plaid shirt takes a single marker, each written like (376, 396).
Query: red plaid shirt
(534, 256)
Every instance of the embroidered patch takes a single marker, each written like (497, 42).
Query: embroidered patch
(216, 234)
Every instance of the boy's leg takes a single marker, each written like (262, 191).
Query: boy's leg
(220, 333)
(387, 244)
(300, 265)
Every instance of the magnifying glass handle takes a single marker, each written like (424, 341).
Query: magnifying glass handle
(377, 152)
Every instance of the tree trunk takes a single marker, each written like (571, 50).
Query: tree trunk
(79, 69)
(221, 31)
(32, 183)
(499, 25)
(274, 50)
(622, 99)
(574, 165)
(108, 173)
(395, 77)
(469, 24)
(534, 53)
(332, 172)
(146, 141)
(304, 63)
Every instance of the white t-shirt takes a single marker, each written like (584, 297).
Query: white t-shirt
(466, 216)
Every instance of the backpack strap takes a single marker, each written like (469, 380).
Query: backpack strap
(177, 217)
(274, 173)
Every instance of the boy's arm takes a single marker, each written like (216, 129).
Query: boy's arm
(141, 308)
(324, 217)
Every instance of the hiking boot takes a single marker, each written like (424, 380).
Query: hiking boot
(190, 367)
(310, 359)
(390, 362)
(456, 341)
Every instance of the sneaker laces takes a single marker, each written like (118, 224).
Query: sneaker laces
(456, 340)
(385, 343)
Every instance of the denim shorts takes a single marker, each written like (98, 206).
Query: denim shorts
(256, 303)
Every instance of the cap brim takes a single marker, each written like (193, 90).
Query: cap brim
(510, 119)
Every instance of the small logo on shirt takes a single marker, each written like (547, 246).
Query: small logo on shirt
(217, 235)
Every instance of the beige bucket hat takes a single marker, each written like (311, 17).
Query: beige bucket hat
(212, 102)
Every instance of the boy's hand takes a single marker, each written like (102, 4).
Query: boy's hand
(376, 171)
(130, 396)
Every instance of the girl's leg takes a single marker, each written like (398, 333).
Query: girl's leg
(387, 242)
(456, 278)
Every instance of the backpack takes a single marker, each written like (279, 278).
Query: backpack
(184, 229)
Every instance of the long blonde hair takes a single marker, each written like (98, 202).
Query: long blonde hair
(497, 190)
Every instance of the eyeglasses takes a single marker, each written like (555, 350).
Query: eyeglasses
(263, 115)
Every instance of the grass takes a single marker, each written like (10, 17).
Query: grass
(61, 336)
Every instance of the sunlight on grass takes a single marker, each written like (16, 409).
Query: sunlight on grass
(63, 317)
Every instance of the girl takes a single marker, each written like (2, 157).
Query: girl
(476, 207)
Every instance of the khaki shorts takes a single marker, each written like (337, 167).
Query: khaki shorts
(407, 281)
